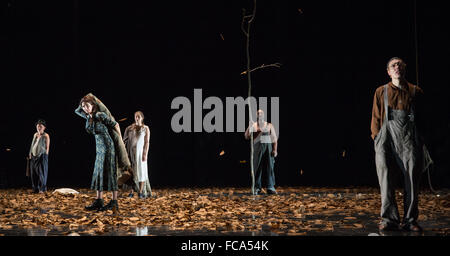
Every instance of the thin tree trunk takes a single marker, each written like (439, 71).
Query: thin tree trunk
(249, 80)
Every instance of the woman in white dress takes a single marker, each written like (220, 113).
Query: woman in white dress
(137, 138)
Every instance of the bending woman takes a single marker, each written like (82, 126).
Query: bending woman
(137, 138)
(105, 169)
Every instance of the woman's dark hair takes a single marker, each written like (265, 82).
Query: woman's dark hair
(91, 100)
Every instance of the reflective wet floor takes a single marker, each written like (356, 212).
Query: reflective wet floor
(294, 211)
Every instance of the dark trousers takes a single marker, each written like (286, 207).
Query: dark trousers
(38, 172)
(263, 162)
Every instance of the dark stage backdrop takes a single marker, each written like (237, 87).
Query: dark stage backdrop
(141, 55)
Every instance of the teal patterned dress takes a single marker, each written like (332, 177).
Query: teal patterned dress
(105, 171)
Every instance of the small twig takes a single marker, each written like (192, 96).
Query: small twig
(254, 12)
(277, 65)
(242, 23)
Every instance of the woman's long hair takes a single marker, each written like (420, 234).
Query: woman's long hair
(91, 100)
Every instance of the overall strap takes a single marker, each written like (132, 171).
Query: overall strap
(386, 102)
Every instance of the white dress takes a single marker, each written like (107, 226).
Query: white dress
(134, 142)
(141, 166)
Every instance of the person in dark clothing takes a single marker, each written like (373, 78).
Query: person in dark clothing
(38, 158)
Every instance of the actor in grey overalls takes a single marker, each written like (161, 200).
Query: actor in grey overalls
(396, 141)
(264, 152)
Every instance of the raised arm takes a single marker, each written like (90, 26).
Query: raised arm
(80, 112)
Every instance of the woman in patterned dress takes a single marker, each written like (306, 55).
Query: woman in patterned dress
(105, 170)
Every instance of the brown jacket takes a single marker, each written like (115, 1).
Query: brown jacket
(398, 99)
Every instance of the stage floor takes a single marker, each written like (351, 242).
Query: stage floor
(294, 211)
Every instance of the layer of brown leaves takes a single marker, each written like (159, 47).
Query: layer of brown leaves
(294, 211)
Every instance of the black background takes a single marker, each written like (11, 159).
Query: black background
(141, 55)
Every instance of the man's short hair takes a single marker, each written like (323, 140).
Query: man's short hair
(394, 58)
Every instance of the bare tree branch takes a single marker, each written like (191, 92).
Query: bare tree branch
(277, 65)
(254, 12)
(242, 23)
